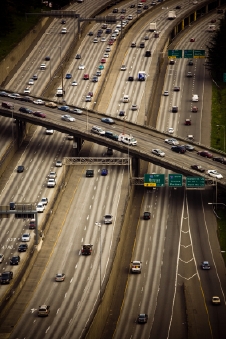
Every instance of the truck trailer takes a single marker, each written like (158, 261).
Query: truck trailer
(153, 26)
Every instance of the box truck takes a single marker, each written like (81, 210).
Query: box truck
(172, 15)
(152, 27)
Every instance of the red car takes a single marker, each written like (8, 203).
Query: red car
(110, 42)
(194, 109)
(39, 114)
(205, 154)
(192, 40)
(103, 61)
(90, 94)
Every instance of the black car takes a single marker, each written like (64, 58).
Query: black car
(147, 215)
(130, 78)
(89, 173)
(6, 277)
(27, 99)
(15, 260)
(25, 110)
(22, 248)
(178, 7)
(198, 168)
(179, 149)
(3, 94)
(63, 22)
(174, 109)
(190, 63)
(20, 169)
(220, 159)
(142, 318)
(47, 58)
(78, 56)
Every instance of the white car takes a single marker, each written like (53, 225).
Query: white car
(52, 175)
(214, 174)
(106, 55)
(40, 207)
(172, 141)
(27, 91)
(58, 163)
(31, 82)
(81, 67)
(134, 107)
(97, 130)
(51, 183)
(49, 131)
(166, 93)
(26, 237)
(74, 83)
(44, 201)
(39, 102)
(123, 67)
(158, 152)
(103, 39)
(170, 130)
(67, 117)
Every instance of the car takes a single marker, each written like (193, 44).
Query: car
(15, 260)
(32, 224)
(39, 102)
(172, 141)
(104, 172)
(142, 44)
(20, 169)
(132, 6)
(142, 318)
(187, 122)
(214, 174)
(110, 42)
(136, 266)
(90, 94)
(14, 96)
(178, 7)
(121, 113)
(146, 37)
(97, 130)
(35, 77)
(6, 276)
(81, 66)
(76, 111)
(45, 200)
(64, 108)
(178, 149)
(216, 300)
(170, 130)
(205, 154)
(89, 173)
(31, 82)
(43, 67)
(158, 152)
(26, 237)
(176, 88)
(95, 78)
(192, 40)
(22, 248)
(49, 131)
(67, 117)
(172, 62)
(166, 93)
(95, 40)
(64, 30)
(174, 109)
(1, 258)
(50, 104)
(123, 68)
(190, 63)
(109, 121)
(145, 7)
(134, 107)
(86, 76)
(98, 73)
(147, 215)
(205, 265)
(60, 277)
(103, 39)
(43, 311)
(4, 94)
(74, 83)
(27, 90)
(108, 218)
(47, 58)
(86, 249)
(101, 67)
(27, 98)
(198, 168)
(40, 207)
(133, 44)
(220, 159)
(106, 55)
(52, 175)
(68, 76)
(189, 148)
(130, 78)
(63, 22)
(51, 183)
(108, 49)
(78, 56)
(39, 114)
(189, 74)
(58, 163)
(213, 21)
(194, 109)
(90, 33)
(109, 151)
(88, 98)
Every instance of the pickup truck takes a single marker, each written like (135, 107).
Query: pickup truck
(43, 311)
(136, 266)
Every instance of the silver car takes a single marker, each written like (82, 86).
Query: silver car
(108, 219)
(67, 117)
(158, 152)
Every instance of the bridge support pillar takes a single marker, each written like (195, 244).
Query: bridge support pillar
(77, 145)
(136, 166)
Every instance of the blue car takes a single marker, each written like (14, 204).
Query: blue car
(108, 121)
(68, 76)
(104, 172)
(64, 108)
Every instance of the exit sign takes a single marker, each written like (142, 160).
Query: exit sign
(154, 180)
(175, 180)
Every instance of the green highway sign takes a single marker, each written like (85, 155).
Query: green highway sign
(175, 53)
(188, 53)
(154, 180)
(192, 182)
(175, 180)
(199, 53)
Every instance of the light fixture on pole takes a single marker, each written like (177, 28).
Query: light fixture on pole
(100, 226)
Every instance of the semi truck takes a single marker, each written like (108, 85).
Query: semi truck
(141, 76)
(152, 27)
(172, 15)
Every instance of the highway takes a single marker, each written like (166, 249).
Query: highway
(81, 236)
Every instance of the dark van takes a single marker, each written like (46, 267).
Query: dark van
(111, 135)
(7, 105)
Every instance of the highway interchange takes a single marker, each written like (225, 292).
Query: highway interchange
(175, 211)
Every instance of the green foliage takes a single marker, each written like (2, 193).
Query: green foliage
(218, 116)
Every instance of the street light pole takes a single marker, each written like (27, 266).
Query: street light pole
(224, 134)
(100, 225)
